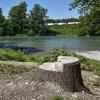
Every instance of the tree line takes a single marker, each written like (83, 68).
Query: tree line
(34, 22)
(62, 20)
(20, 22)
(90, 16)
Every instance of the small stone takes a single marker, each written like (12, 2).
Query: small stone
(33, 99)
(97, 89)
(74, 96)
(94, 78)
(9, 84)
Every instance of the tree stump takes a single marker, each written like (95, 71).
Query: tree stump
(66, 72)
(72, 78)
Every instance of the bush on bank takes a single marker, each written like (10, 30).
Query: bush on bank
(66, 30)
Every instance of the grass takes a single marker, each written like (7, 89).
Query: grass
(86, 64)
(66, 30)
(12, 69)
(9, 54)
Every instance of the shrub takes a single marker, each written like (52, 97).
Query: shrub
(34, 58)
(9, 54)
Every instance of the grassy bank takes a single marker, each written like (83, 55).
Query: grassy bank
(86, 64)
(11, 70)
(66, 30)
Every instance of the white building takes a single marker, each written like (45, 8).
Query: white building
(73, 22)
(50, 24)
(56, 24)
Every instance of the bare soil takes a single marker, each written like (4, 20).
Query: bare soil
(28, 86)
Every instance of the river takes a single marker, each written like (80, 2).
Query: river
(48, 43)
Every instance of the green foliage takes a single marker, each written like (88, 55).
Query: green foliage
(8, 54)
(84, 5)
(91, 65)
(2, 21)
(19, 22)
(90, 19)
(68, 30)
(90, 23)
(17, 18)
(62, 20)
(34, 58)
(2, 18)
(34, 23)
(37, 19)
(11, 70)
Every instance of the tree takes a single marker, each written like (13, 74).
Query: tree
(17, 18)
(2, 20)
(37, 20)
(90, 16)
(84, 5)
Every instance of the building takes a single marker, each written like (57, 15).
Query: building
(50, 24)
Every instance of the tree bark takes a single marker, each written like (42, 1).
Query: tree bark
(68, 77)
(72, 79)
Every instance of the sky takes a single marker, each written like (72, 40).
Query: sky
(57, 9)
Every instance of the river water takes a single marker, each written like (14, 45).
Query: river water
(48, 43)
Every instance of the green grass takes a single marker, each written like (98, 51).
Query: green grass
(12, 69)
(86, 64)
(9, 54)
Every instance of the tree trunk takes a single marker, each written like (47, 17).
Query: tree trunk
(66, 72)
(72, 79)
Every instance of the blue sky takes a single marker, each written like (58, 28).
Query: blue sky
(57, 9)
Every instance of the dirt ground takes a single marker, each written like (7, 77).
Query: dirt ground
(27, 86)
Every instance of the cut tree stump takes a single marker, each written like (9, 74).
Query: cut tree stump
(66, 72)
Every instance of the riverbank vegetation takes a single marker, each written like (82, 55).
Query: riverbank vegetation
(35, 22)
(86, 64)
(66, 30)
(32, 23)
(90, 16)
(20, 22)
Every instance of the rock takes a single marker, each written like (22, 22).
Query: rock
(90, 78)
(74, 96)
(94, 78)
